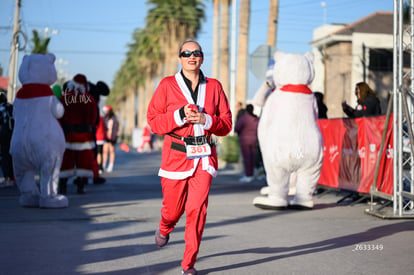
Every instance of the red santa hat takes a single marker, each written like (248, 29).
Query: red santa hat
(81, 79)
(106, 109)
(78, 84)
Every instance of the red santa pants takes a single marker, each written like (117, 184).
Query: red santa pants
(78, 163)
(189, 195)
(145, 141)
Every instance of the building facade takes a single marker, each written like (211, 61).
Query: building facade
(346, 54)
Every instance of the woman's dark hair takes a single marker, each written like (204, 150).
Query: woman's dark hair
(364, 91)
(188, 41)
(249, 108)
(110, 113)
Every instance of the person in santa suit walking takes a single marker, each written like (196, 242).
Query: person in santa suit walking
(188, 108)
(100, 140)
(77, 123)
(146, 139)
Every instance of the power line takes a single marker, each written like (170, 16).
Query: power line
(88, 52)
(93, 52)
(91, 30)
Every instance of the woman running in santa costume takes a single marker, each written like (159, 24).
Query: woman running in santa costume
(188, 108)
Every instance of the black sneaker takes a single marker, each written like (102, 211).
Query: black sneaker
(99, 180)
(161, 240)
(190, 271)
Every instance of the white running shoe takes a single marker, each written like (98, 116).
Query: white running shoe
(264, 191)
(246, 179)
(6, 183)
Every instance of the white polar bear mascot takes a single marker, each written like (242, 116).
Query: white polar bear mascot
(38, 142)
(289, 136)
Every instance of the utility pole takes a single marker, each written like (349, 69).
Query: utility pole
(272, 29)
(11, 89)
(272, 23)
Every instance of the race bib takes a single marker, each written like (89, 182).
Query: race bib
(198, 151)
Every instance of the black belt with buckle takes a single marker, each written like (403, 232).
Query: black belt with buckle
(77, 128)
(190, 140)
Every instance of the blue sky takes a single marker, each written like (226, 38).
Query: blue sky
(92, 36)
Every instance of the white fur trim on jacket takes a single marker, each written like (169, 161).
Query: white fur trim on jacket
(198, 129)
(76, 173)
(209, 122)
(177, 118)
(80, 146)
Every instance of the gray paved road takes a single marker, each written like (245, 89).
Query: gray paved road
(110, 230)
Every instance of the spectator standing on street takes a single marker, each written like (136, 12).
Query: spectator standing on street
(367, 102)
(188, 108)
(111, 137)
(6, 131)
(322, 109)
(97, 90)
(100, 140)
(239, 110)
(246, 128)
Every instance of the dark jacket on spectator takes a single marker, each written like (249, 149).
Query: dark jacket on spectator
(370, 106)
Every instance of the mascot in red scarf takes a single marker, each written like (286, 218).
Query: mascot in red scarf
(289, 136)
(38, 142)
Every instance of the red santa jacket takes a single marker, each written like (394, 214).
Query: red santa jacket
(100, 131)
(146, 135)
(164, 117)
(79, 119)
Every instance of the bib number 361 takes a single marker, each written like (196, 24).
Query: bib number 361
(197, 151)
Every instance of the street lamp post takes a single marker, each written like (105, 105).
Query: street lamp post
(11, 89)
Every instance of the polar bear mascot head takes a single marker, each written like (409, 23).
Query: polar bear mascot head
(267, 87)
(289, 136)
(38, 143)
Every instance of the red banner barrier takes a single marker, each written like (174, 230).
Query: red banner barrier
(351, 149)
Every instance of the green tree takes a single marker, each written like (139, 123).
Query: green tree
(139, 67)
(150, 44)
(153, 52)
(179, 20)
(39, 44)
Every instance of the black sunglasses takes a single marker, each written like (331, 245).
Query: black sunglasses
(189, 53)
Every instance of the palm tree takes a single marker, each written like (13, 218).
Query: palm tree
(224, 45)
(149, 62)
(173, 21)
(216, 41)
(39, 44)
(153, 52)
(242, 53)
(128, 81)
(179, 20)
